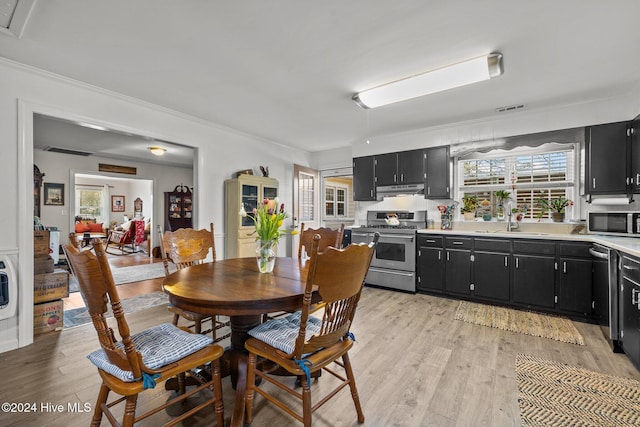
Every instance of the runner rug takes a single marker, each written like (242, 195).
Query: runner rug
(555, 394)
(524, 322)
(80, 316)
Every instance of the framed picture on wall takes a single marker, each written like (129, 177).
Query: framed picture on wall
(53, 194)
(117, 203)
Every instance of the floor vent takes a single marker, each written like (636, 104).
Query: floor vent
(67, 151)
(510, 108)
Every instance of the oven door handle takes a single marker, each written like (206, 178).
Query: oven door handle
(597, 254)
(397, 236)
(385, 271)
(360, 234)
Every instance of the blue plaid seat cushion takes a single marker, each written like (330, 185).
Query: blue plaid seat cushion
(282, 332)
(159, 346)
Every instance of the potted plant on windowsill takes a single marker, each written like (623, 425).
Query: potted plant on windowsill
(556, 206)
(501, 196)
(469, 206)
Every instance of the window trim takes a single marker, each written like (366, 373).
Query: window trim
(573, 185)
(335, 202)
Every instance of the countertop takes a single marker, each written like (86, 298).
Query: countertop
(629, 245)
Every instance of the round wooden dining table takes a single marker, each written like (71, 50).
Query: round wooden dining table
(235, 288)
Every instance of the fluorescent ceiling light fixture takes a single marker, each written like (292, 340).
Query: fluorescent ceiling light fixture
(460, 74)
(157, 151)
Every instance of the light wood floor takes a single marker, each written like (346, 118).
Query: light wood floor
(414, 364)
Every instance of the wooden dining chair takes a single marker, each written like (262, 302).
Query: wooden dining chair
(303, 344)
(328, 237)
(137, 362)
(186, 247)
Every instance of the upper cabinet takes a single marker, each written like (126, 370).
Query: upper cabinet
(606, 158)
(364, 179)
(635, 154)
(430, 166)
(406, 167)
(438, 182)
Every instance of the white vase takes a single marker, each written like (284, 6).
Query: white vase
(266, 255)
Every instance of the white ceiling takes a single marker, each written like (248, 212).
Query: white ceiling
(285, 70)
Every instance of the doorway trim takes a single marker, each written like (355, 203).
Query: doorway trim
(26, 111)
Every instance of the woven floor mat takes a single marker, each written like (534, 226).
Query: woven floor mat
(556, 394)
(524, 322)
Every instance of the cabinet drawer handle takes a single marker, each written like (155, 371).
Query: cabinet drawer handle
(626, 267)
(439, 255)
(506, 261)
(517, 263)
(633, 297)
(458, 243)
(594, 183)
(447, 256)
(430, 241)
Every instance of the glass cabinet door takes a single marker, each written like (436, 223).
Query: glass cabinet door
(269, 193)
(249, 202)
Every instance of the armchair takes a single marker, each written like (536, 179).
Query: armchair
(127, 240)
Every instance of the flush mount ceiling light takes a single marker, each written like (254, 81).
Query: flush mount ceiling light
(157, 151)
(456, 75)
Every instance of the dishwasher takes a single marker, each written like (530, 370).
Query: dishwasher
(605, 279)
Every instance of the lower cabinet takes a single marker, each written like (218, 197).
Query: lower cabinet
(458, 272)
(575, 286)
(430, 275)
(629, 308)
(538, 274)
(491, 275)
(534, 280)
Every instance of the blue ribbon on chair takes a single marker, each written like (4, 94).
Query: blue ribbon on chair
(304, 365)
(351, 336)
(149, 380)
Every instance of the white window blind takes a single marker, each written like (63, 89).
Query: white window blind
(528, 174)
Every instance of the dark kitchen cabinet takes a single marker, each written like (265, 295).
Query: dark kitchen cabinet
(575, 282)
(411, 167)
(491, 269)
(575, 286)
(364, 186)
(635, 154)
(437, 168)
(630, 313)
(405, 167)
(534, 280)
(606, 157)
(386, 169)
(430, 264)
(458, 265)
(534, 273)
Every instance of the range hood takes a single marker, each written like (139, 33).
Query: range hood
(399, 190)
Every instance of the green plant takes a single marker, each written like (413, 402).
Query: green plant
(502, 195)
(557, 204)
(469, 203)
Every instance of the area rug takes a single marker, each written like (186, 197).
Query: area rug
(524, 322)
(134, 273)
(555, 394)
(80, 316)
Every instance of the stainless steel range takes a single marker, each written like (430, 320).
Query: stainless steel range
(394, 262)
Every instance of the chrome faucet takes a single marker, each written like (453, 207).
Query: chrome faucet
(511, 225)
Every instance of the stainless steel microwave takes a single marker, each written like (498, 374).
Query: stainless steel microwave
(616, 223)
